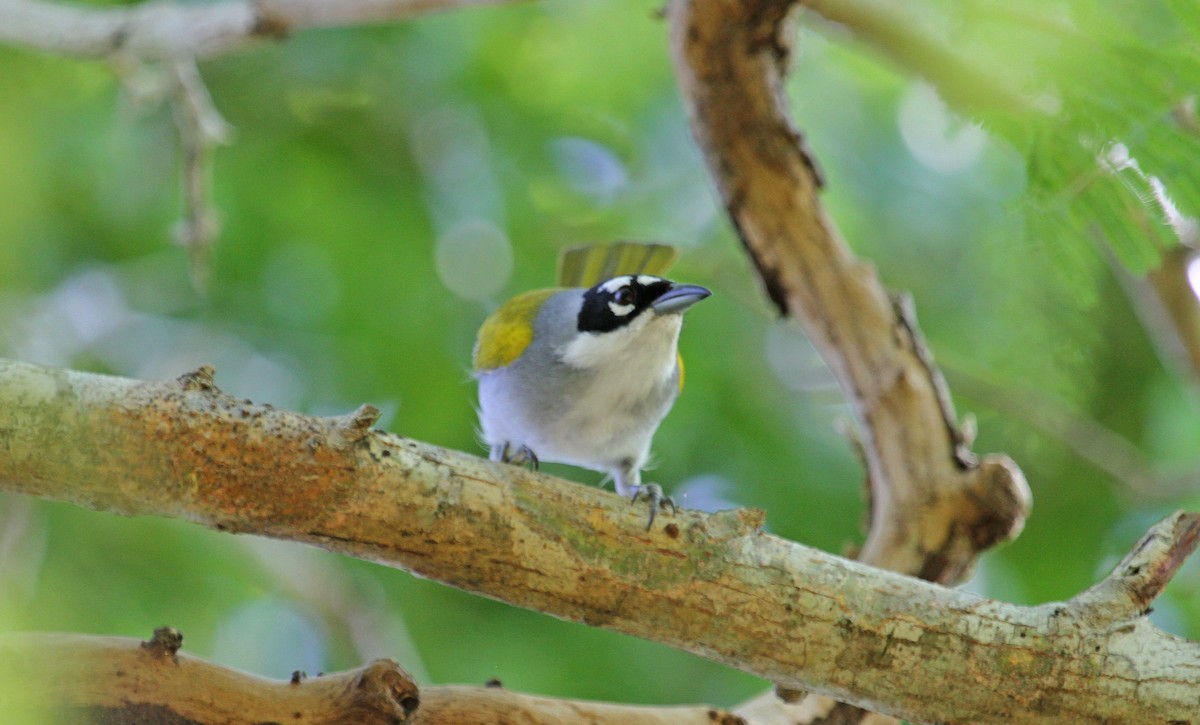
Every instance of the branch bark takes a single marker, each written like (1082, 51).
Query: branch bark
(163, 30)
(78, 678)
(715, 585)
(935, 505)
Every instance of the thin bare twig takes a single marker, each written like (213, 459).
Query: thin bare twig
(160, 30)
(201, 129)
(178, 34)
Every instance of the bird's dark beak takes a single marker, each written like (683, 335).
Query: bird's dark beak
(679, 298)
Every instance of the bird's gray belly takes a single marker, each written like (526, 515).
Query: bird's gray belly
(578, 424)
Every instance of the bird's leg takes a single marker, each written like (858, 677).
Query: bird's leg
(627, 480)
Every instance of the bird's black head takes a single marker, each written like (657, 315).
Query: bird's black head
(616, 302)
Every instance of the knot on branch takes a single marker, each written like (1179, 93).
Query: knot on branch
(200, 379)
(353, 427)
(165, 642)
(1002, 500)
(383, 687)
(989, 509)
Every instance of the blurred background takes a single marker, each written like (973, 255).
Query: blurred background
(386, 187)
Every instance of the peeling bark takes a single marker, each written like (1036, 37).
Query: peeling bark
(714, 584)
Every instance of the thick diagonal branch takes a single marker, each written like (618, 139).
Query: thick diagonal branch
(934, 506)
(715, 585)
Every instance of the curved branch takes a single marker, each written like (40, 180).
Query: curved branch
(934, 504)
(167, 30)
(80, 678)
(711, 584)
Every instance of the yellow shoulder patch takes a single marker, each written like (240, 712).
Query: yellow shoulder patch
(590, 264)
(508, 331)
(679, 361)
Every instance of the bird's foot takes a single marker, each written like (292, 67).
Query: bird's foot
(520, 457)
(653, 493)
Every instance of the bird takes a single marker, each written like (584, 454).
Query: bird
(585, 372)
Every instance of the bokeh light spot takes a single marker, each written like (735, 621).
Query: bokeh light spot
(590, 168)
(474, 260)
(934, 135)
(269, 637)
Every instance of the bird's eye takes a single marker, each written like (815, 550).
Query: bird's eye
(624, 296)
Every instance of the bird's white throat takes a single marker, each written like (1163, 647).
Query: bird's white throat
(642, 350)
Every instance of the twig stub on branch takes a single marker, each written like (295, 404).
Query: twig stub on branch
(165, 642)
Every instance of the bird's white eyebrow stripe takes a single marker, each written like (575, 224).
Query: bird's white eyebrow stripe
(646, 280)
(616, 283)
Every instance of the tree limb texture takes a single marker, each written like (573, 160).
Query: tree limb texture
(168, 30)
(714, 584)
(121, 680)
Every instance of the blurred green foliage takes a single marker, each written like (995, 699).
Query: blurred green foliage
(388, 186)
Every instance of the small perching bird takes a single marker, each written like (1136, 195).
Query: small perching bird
(584, 373)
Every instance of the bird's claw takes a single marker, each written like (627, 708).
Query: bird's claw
(654, 494)
(520, 457)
